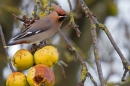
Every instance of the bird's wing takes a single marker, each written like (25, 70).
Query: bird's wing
(36, 28)
(21, 33)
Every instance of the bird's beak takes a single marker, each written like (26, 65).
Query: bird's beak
(63, 16)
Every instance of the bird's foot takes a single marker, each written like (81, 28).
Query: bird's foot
(42, 44)
(33, 48)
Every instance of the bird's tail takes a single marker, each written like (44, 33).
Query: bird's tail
(16, 42)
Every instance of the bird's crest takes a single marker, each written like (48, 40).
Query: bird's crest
(59, 10)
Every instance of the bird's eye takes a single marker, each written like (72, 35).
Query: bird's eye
(61, 14)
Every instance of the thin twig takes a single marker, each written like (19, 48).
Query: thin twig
(103, 27)
(123, 77)
(70, 46)
(84, 71)
(34, 12)
(72, 22)
(96, 53)
(26, 21)
(61, 64)
(126, 65)
(92, 79)
(4, 44)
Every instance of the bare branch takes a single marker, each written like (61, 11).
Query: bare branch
(84, 70)
(72, 22)
(96, 53)
(27, 21)
(4, 44)
(94, 21)
(34, 12)
(61, 64)
(126, 65)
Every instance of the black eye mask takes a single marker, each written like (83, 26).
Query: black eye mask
(61, 14)
(62, 17)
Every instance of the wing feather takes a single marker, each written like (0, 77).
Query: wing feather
(36, 28)
(20, 34)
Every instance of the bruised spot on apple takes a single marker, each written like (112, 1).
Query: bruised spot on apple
(40, 74)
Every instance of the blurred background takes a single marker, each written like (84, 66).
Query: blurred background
(115, 14)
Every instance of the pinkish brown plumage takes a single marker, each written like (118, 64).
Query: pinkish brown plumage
(42, 29)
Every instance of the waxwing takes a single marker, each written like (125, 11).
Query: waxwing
(42, 29)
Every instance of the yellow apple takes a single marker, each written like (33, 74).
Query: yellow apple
(23, 59)
(17, 79)
(48, 55)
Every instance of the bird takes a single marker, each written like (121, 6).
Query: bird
(42, 29)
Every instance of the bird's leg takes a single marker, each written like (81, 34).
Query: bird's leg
(33, 48)
(45, 42)
(42, 44)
